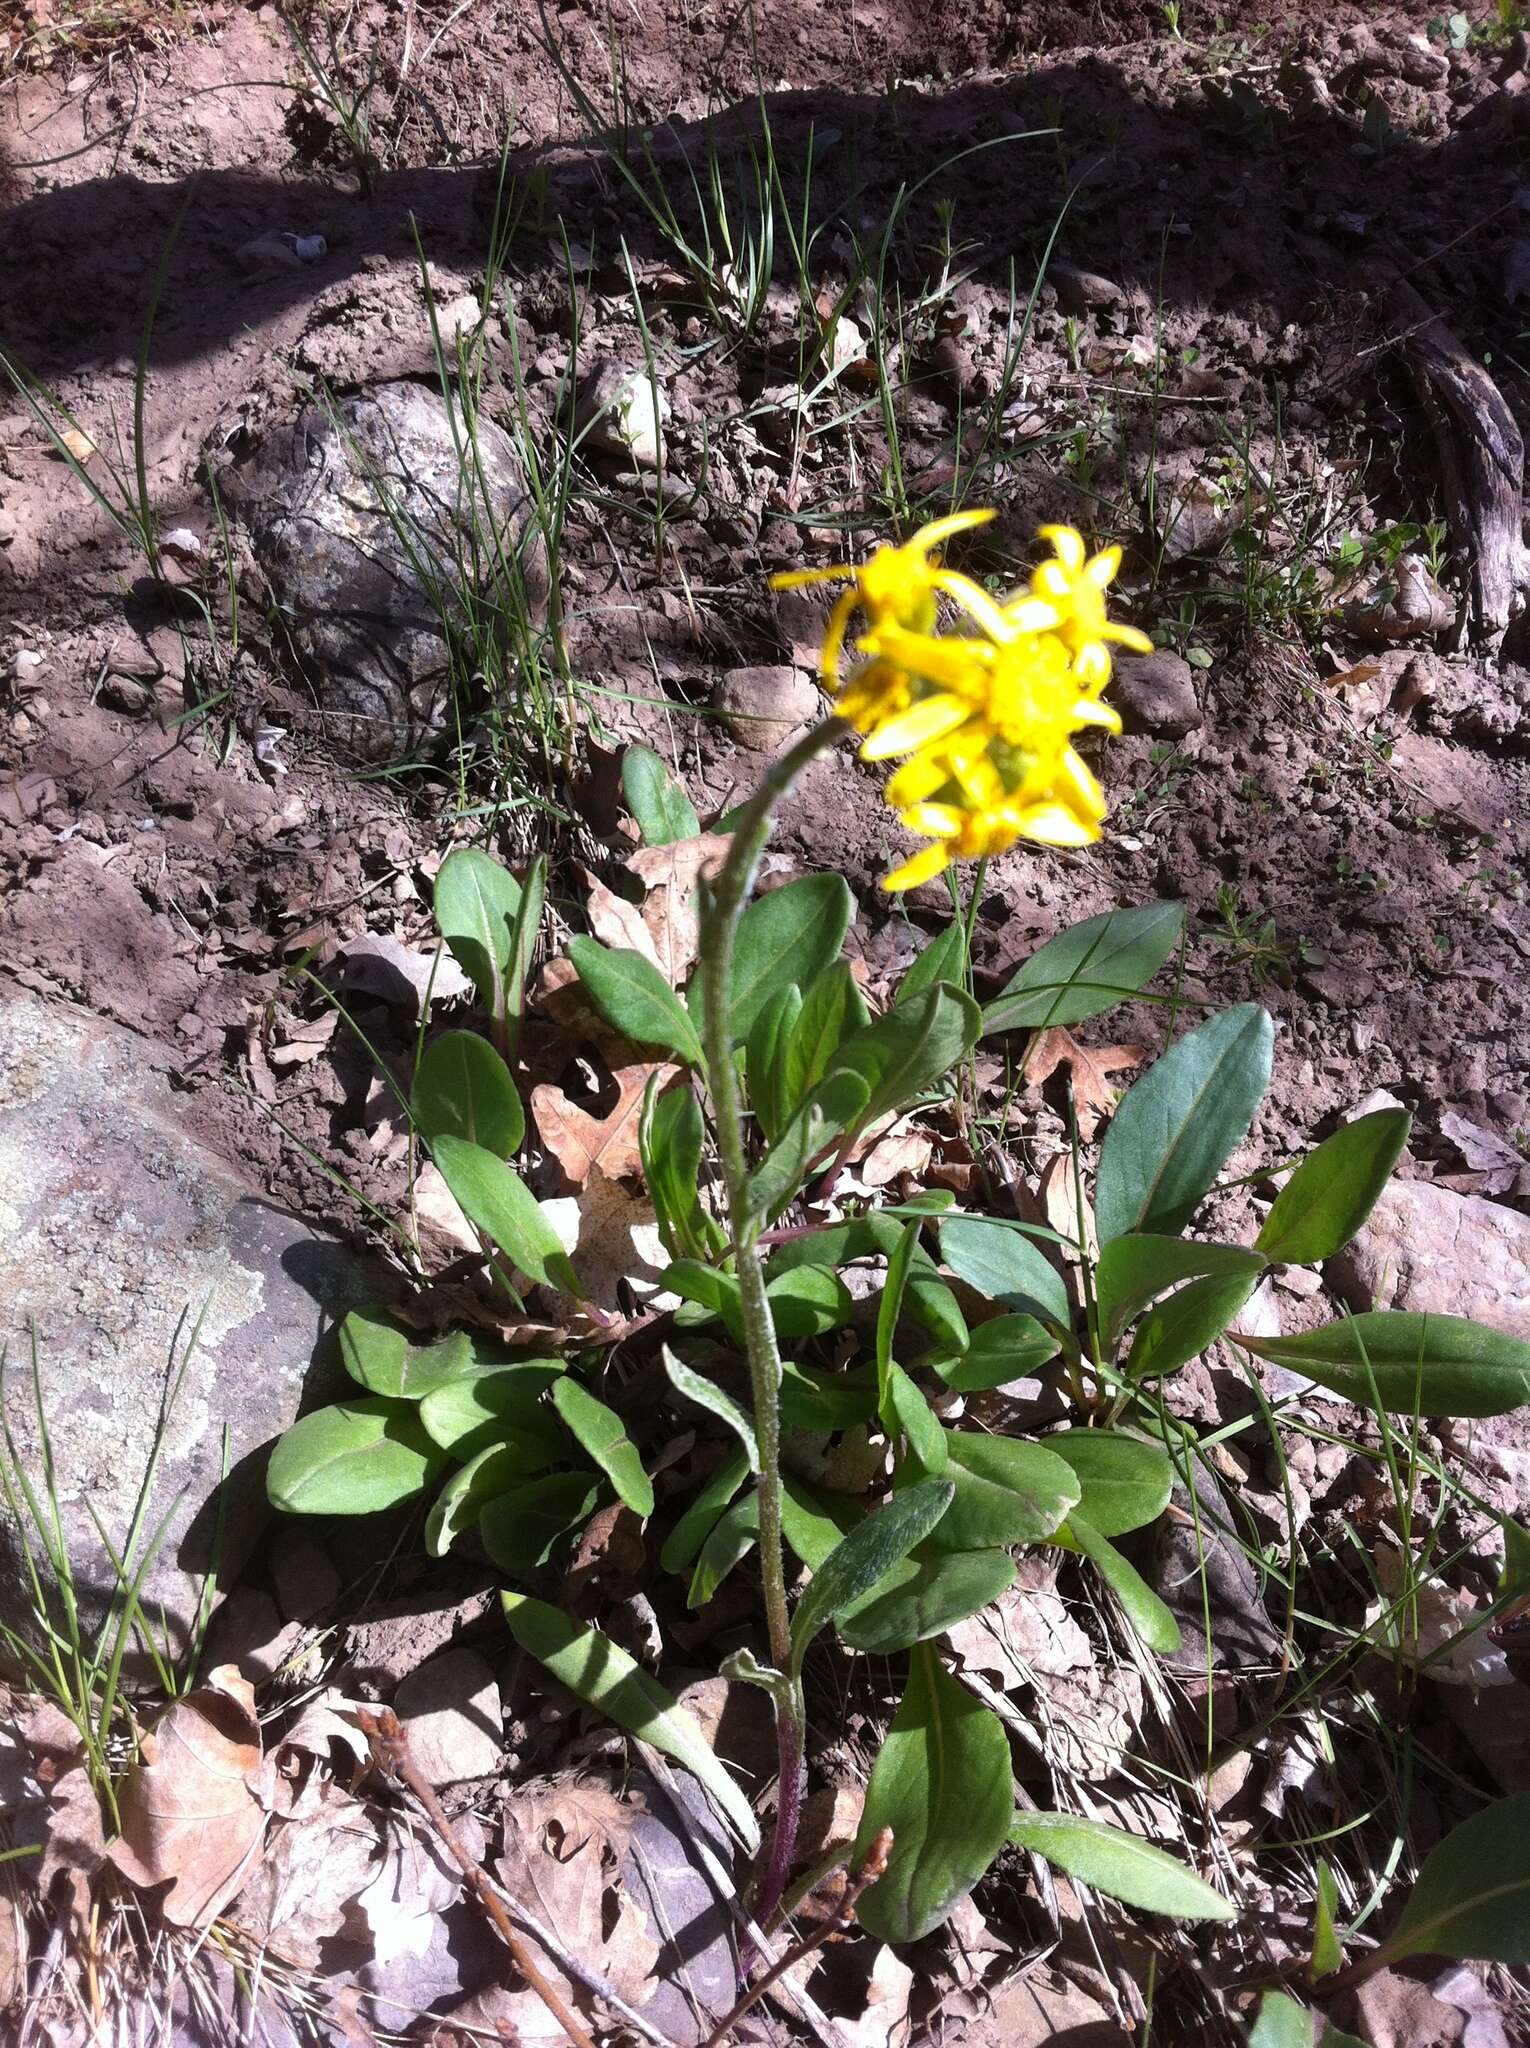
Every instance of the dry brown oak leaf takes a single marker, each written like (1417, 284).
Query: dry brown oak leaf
(581, 1142)
(1090, 1067)
(193, 1806)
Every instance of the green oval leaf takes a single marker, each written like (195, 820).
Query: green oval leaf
(1126, 1482)
(1139, 1603)
(462, 1089)
(836, 1105)
(1192, 1318)
(1472, 1898)
(1087, 968)
(870, 1550)
(934, 1306)
(633, 997)
(1004, 1349)
(386, 1363)
(923, 1597)
(765, 1060)
(1334, 1189)
(476, 902)
(670, 1137)
(592, 1666)
(943, 959)
(693, 1527)
(707, 1394)
(1120, 1865)
(1442, 1364)
(522, 1528)
(943, 1783)
(729, 1541)
(492, 1472)
(373, 1348)
(1136, 1269)
(354, 1458)
(603, 1434)
(808, 1301)
(792, 934)
(500, 1404)
(1007, 1492)
(813, 1522)
(1281, 2023)
(663, 811)
(493, 1195)
(906, 1052)
(1175, 1128)
(832, 1009)
(1003, 1265)
(811, 1399)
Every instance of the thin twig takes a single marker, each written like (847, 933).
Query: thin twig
(837, 1925)
(390, 1747)
(571, 1965)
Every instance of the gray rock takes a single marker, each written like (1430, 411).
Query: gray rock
(394, 1640)
(1079, 291)
(622, 412)
(367, 523)
(1155, 693)
(451, 1710)
(154, 1282)
(696, 1969)
(763, 707)
(1198, 1566)
(1429, 1249)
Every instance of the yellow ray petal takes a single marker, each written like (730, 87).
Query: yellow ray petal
(1101, 569)
(930, 719)
(933, 821)
(1126, 636)
(1090, 711)
(976, 602)
(834, 640)
(937, 530)
(1027, 613)
(922, 866)
(797, 579)
(1091, 665)
(1081, 792)
(1055, 825)
(1067, 543)
(917, 779)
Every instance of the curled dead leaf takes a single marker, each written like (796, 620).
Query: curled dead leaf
(670, 912)
(615, 921)
(192, 1807)
(612, 1237)
(561, 1859)
(302, 1891)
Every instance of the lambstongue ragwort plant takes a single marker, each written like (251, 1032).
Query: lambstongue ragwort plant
(796, 1073)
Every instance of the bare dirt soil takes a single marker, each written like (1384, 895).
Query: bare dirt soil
(1214, 369)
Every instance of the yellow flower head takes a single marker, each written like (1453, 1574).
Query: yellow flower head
(1075, 582)
(898, 586)
(986, 719)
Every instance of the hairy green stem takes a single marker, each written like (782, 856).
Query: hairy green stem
(724, 903)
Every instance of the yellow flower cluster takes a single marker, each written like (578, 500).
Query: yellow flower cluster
(986, 718)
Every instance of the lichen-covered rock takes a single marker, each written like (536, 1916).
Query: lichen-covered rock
(166, 1302)
(371, 522)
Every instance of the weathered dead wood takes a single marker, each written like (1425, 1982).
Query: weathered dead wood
(1482, 464)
